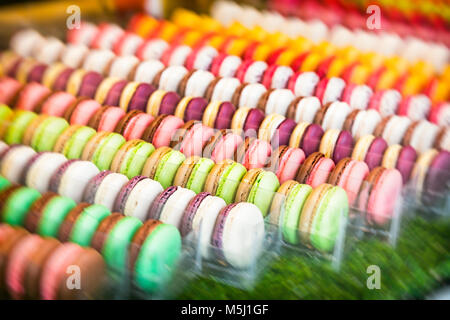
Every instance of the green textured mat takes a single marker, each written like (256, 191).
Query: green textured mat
(419, 265)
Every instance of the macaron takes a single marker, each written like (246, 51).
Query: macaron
(136, 196)
(162, 129)
(442, 141)
(46, 132)
(169, 78)
(303, 84)
(98, 60)
(276, 101)
(73, 54)
(56, 104)
(329, 89)
(201, 58)
(286, 209)
(276, 129)
(440, 114)
(248, 95)
(135, 96)
(222, 145)
(4, 183)
(370, 150)
(72, 141)
(199, 219)
(122, 66)
(102, 148)
(82, 83)
(154, 252)
(162, 165)
(218, 114)
(307, 137)
(336, 144)
(113, 238)
(400, 158)
(9, 89)
(133, 124)
(106, 118)
(152, 49)
(195, 83)
(72, 177)
(148, 70)
(162, 102)
(247, 121)
(47, 214)
(225, 65)
(31, 95)
(253, 153)
(315, 170)
(277, 76)
(6, 115)
(251, 71)
(421, 135)
(169, 205)
(258, 187)
(321, 217)
(104, 188)
(191, 138)
(176, 55)
(131, 157)
(80, 223)
(361, 122)
(238, 234)
(392, 129)
(385, 102)
(222, 89)
(332, 115)
(285, 162)
(81, 111)
(303, 109)
(224, 178)
(40, 169)
(14, 162)
(379, 195)
(349, 175)
(190, 108)
(15, 202)
(193, 172)
(357, 96)
(54, 276)
(110, 90)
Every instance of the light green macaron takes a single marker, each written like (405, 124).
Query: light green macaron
(19, 123)
(131, 157)
(47, 132)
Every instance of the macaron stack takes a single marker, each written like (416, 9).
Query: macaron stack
(35, 267)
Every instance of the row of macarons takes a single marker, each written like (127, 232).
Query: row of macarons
(195, 139)
(34, 267)
(202, 213)
(147, 249)
(274, 76)
(327, 60)
(261, 136)
(47, 133)
(422, 135)
(201, 83)
(235, 40)
(341, 26)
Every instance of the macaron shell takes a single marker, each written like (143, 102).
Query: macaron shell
(75, 179)
(40, 172)
(17, 205)
(86, 224)
(53, 215)
(166, 130)
(263, 191)
(16, 129)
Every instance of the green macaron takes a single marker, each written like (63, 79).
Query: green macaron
(224, 179)
(47, 132)
(15, 201)
(163, 165)
(258, 187)
(320, 219)
(157, 257)
(291, 210)
(115, 248)
(102, 148)
(4, 183)
(52, 216)
(193, 172)
(131, 157)
(73, 140)
(87, 222)
(6, 115)
(19, 123)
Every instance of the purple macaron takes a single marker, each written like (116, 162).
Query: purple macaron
(253, 121)
(437, 181)
(158, 204)
(113, 96)
(405, 162)
(169, 103)
(375, 153)
(122, 197)
(283, 133)
(60, 83)
(140, 97)
(343, 147)
(190, 211)
(89, 85)
(37, 73)
(311, 139)
(194, 109)
(224, 115)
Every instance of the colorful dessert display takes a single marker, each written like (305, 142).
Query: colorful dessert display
(201, 145)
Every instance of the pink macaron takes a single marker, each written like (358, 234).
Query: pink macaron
(57, 103)
(133, 124)
(222, 145)
(253, 153)
(285, 162)
(315, 170)
(191, 138)
(9, 88)
(106, 118)
(127, 44)
(31, 95)
(162, 129)
(81, 111)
